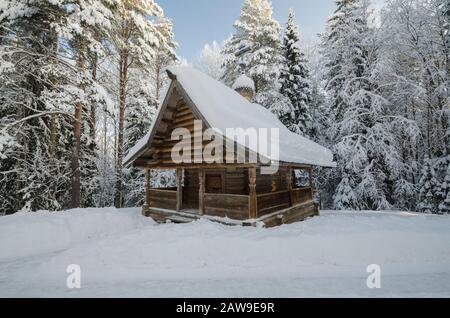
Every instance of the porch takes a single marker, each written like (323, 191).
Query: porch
(208, 198)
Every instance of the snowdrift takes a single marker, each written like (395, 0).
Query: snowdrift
(29, 234)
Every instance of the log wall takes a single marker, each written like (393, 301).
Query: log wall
(272, 202)
(227, 205)
(300, 195)
(163, 199)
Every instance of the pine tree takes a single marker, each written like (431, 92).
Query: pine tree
(362, 134)
(42, 91)
(295, 83)
(254, 50)
(345, 197)
(444, 195)
(81, 27)
(165, 56)
(34, 89)
(210, 60)
(137, 40)
(141, 109)
(428, 187)
(333, 44)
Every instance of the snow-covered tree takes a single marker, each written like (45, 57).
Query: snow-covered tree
(444, 195)
(416, 44)
(295, 83)
(362, 132)
(52, 55)
(428, 188)
(138, 39)
(85, 22)
(254, 50)
(210, 60)
(41, 90)
(165, 56)
(141, 109)
(345, 197)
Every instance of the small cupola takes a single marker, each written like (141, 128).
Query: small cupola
(245, 86)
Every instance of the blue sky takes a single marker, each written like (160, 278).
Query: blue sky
(197, 22)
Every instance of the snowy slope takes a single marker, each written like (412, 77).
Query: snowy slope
(123, 254)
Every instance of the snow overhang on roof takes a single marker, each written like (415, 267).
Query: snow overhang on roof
(223, 108)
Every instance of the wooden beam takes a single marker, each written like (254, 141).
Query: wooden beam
(201, 191)
(289, 183)
(146, 206)
(160, 165)
(311, 183)
(179, 189)
(253, 201)
(295, 165)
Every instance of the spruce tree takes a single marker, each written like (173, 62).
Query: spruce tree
(362, 134)
(138, 37)
(295, 83)
(41, 91)
(254, 50)
(444, 195)
(428, 187)
(345, 197)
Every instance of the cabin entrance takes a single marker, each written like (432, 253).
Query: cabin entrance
(190, 189)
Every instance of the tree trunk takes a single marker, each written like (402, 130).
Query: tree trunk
(76, 173)
(53, 116)
(92, 115)
(105, 133)
(53, 136)
(120, 151)
(158, 84)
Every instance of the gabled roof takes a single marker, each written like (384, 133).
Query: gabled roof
(222, 107)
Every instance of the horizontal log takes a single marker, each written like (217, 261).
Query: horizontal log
(170, 190)
(238, 203)
(228, 196)
(221, 212)
(184, 112)
(185, 120)
(265, 211)
(300, 195)
(263, 195)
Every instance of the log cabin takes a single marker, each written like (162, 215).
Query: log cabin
(233, 190)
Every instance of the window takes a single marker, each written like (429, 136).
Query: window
(302, 178)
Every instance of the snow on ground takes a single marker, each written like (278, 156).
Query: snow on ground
(122, 254)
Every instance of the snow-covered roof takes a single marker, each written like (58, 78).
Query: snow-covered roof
(223, 108)
(244, 81)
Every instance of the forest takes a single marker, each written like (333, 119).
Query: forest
(81, 82)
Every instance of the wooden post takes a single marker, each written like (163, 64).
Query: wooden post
(179, 189)
(253, 201)
(289, 184)
(311, 184)
(201, 191)
(146, 206)
(294, 178)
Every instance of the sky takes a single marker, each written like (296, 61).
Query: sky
(198, 22)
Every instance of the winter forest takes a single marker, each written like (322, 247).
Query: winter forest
(81, 81)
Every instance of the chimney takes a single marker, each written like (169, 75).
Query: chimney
(245, 86)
